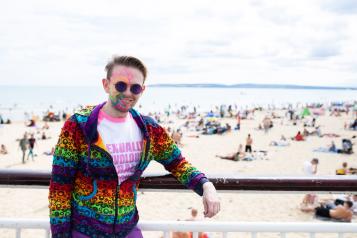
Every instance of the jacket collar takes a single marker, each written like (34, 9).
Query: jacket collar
(90, 126)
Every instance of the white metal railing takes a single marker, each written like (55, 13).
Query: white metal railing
(203, 226)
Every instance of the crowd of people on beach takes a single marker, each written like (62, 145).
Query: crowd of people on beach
(28, 142)
(197, 124)
(340, 209)
(334, 210)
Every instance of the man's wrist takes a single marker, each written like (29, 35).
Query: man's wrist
(208, 185)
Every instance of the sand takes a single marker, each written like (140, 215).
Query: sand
(282, 161)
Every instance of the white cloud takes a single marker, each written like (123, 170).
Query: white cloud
(69, 42)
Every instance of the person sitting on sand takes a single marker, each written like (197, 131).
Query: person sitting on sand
(281, 142)
(298, 137)
(3, 150)
(239, 155)
(267, 124)
(32, 123)
(344, 170)
(310, 199)
(222, 130)
(179, 234)
(228, 127)
(49, 153)
(306, 133)
(195, 218)
(353, 125)
(310, 167)
(341, 212)
(177, 136)
(45, 126)
(316, 132)
(190, 234)
(44, 136)
(309, 203)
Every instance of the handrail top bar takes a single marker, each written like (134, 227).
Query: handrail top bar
(209, 175)
(167, 181)
(208, 226)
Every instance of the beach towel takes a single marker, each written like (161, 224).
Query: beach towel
(324, 150)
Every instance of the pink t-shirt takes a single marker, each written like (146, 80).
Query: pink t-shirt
(123, 140)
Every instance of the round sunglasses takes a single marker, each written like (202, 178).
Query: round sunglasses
(134, 88)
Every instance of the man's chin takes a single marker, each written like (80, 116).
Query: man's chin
(122, 109)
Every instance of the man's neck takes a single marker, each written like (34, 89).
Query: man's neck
(111, 111)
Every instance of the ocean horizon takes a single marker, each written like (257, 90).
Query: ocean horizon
(16, 100)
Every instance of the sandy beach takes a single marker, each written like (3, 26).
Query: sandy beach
(201, 151)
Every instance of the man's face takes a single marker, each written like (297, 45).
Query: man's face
(123, 101)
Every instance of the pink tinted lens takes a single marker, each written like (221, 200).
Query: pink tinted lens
(121, 86)
(136, 89)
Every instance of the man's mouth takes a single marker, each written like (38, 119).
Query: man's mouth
(126, 100)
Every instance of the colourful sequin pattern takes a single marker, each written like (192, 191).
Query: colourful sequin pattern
(84, 194)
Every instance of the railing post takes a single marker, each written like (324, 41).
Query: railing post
(48, 233)
(18, 232)
(166, 234)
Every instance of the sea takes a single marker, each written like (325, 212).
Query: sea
(17, 103)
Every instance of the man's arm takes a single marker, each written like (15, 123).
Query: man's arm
(65, 160)
(168, 154)
(314, 169)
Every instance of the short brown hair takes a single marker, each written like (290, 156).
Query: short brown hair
(129, 61)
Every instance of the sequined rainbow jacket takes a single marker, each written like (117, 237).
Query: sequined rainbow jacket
(84, 194)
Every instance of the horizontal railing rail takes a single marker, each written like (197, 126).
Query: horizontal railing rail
(30, 179)
(10, 177)
(202, 226)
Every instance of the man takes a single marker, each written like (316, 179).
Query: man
(310, 199)
(31, 142)
(101, 154)
(354, 201)
(238, 121)
(23, 146)
(248, 144)
(310, 167)
(341, 212)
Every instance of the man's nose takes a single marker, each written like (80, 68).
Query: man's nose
(127, 91)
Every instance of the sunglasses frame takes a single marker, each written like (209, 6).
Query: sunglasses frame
(125, 87)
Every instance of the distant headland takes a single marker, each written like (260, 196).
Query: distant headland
(247, 85)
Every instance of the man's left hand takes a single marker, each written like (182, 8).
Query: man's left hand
(211, 201)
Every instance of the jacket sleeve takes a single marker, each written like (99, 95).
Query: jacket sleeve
(167, 153)
(65, 160)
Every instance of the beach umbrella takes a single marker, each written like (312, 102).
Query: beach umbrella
(305, 112)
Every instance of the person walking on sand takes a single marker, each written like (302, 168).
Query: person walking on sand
(23, 144)
(31, 143)
(101, 154)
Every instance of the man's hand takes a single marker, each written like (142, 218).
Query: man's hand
(211, 201)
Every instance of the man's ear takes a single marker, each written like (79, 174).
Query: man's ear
(105, 83)
(143, 88)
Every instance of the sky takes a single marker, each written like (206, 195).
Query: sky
(68, 43)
